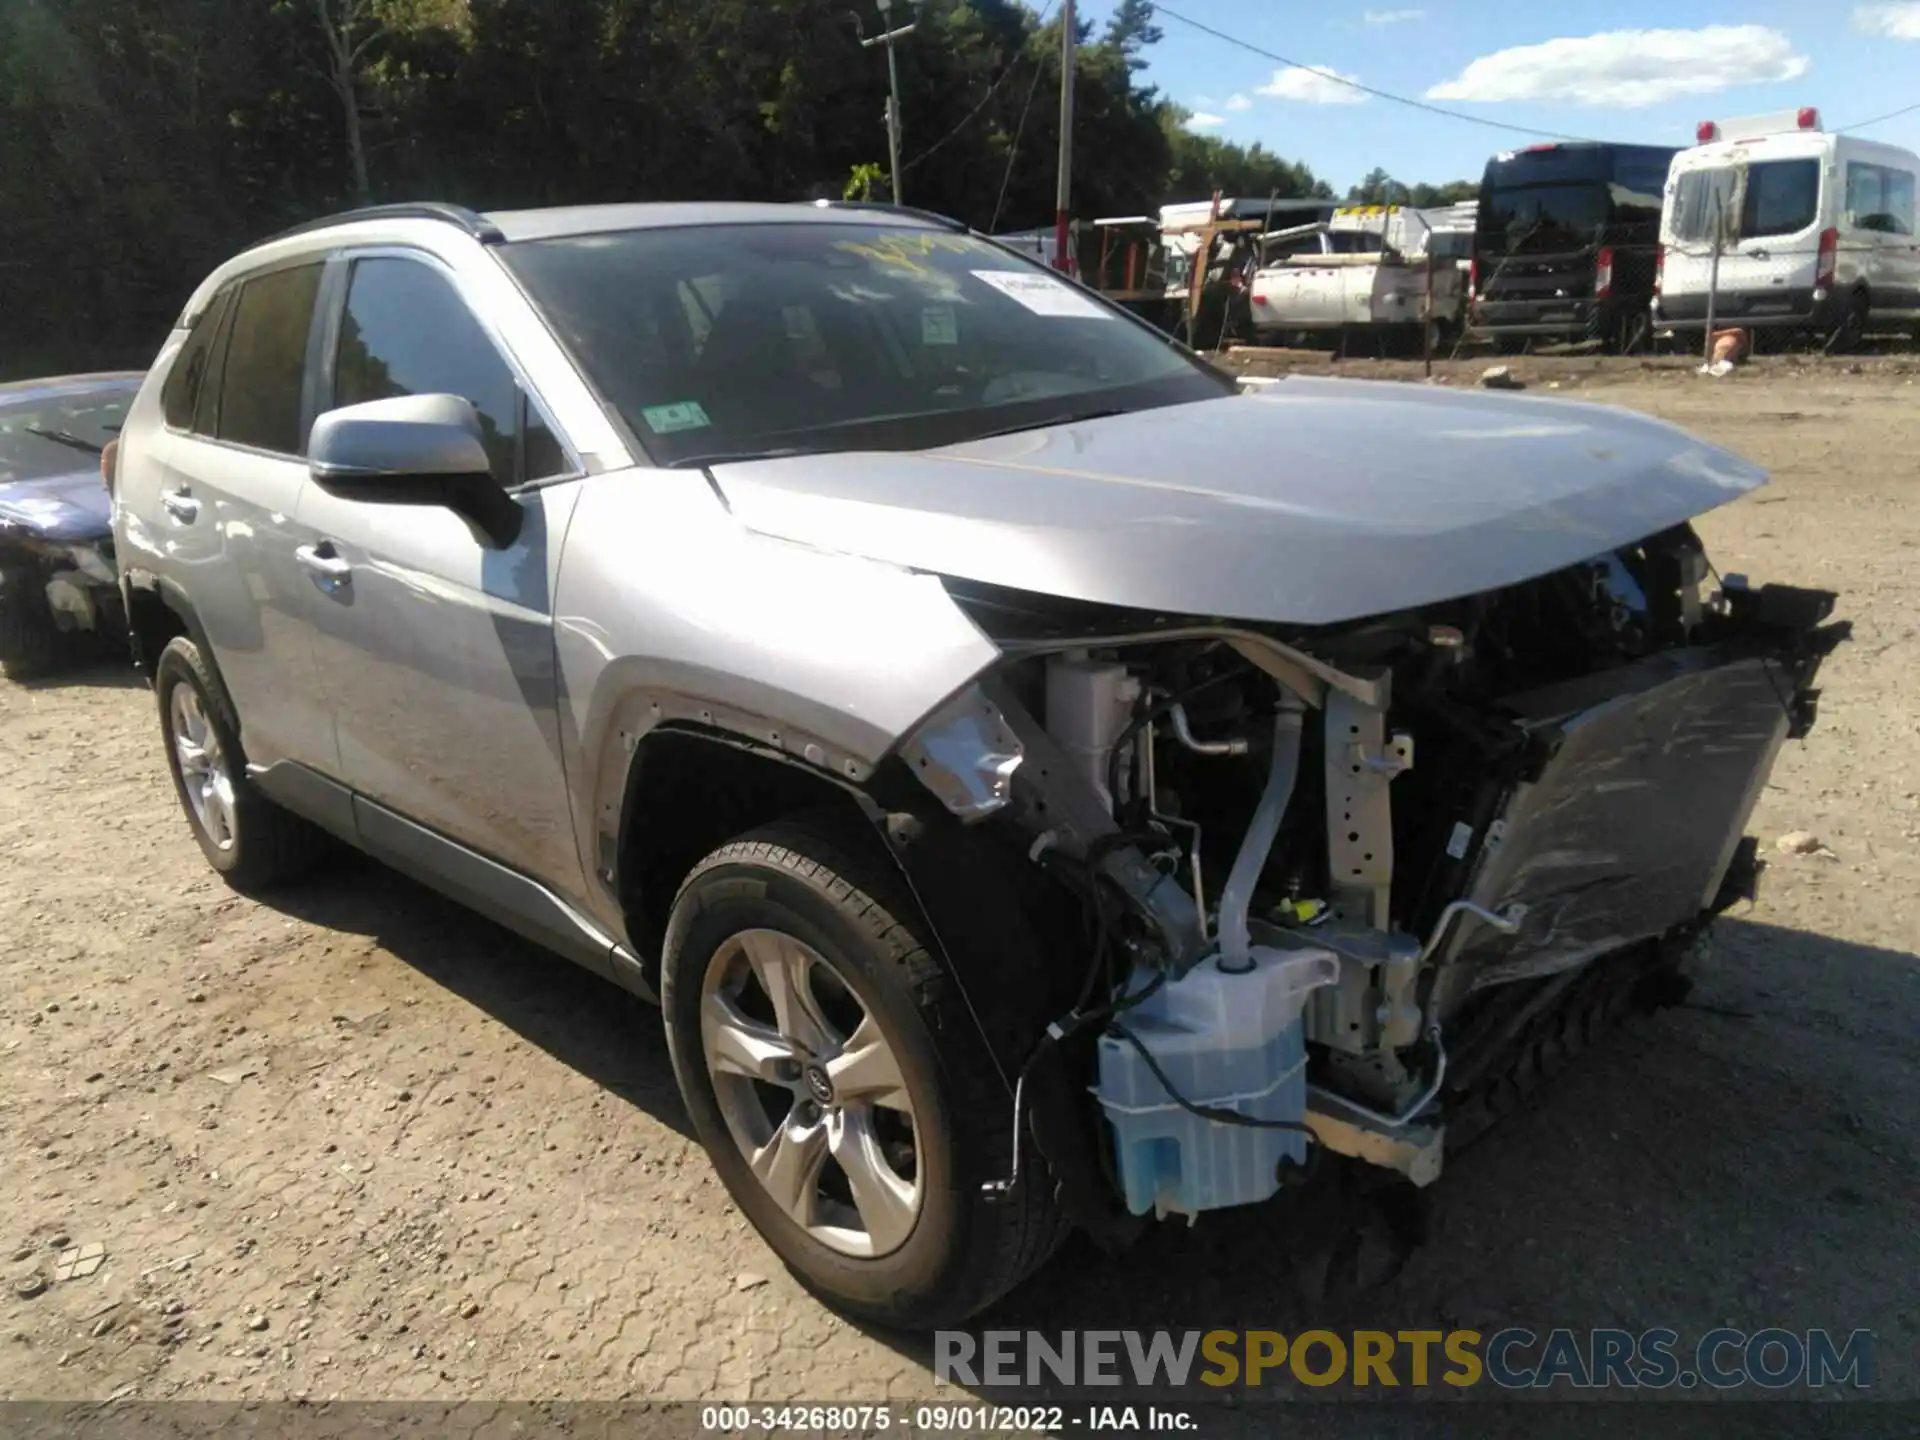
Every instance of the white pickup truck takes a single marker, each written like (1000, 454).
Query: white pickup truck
(1362, 276)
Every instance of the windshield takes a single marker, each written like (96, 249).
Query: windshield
(51, 432)
(736, 340)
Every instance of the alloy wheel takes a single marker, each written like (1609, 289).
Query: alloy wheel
(204, 773)
(811, 1092)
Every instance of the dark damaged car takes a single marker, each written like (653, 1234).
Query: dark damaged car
(57, 577)
(1043, 786)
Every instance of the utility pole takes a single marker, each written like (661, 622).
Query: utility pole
(1063, 195)
(893, 93)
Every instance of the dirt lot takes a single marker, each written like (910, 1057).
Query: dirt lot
(360, 1143)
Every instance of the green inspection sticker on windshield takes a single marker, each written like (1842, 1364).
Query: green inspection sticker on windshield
(683, 415)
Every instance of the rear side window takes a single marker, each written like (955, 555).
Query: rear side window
(406, 331)
(1880, 199)
(266, 360)
(191, 366)
(1639, 180)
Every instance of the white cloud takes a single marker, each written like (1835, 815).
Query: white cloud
(1378, 18)
(1897, 22)
(1317, 86)
(1201, 120)
(1629, 67)
(1239, 102)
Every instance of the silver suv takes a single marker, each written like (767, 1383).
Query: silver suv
(1043, 786)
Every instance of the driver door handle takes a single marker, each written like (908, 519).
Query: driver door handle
(328, 567)
(181, 505)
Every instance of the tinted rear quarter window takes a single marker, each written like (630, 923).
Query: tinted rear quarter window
(260, 397)
(191, 366)
(1639, 183)
(1880, 199)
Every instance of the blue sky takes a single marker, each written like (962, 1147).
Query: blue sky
(1599, 75)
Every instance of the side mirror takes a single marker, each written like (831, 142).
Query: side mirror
(413, 450)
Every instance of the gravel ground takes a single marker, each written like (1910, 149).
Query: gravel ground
(361, 1143)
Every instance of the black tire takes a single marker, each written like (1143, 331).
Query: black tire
(962, 1252)
(1852, 330)
(266, 844)
(1418, 340)
(30, 643)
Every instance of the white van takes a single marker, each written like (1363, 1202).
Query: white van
(1818, 230)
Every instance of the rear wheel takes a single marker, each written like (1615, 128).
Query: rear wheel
(836, 1080)
(1852, 329)
(246, 837)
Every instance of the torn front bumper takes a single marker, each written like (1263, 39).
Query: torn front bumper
(75, 581)
(1647, 778)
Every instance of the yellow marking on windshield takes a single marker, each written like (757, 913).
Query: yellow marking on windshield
(905, 249)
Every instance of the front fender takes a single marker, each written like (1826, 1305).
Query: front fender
(668, 610)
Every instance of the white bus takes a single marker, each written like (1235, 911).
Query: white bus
(1816, 231)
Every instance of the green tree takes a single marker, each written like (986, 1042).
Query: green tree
(1451, 193)
(1378, 188)
(1201, 164)
(1131, 29)
(148, 140)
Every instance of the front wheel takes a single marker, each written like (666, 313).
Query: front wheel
(836, 1079)
(30, 642)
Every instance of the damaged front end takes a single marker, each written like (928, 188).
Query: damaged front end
(1271, 890)
(53, 585)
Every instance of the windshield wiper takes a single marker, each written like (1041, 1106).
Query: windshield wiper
(734, 457)
(64, 437)
(1073, 418)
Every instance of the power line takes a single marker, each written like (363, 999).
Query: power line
(1013, 150)
(985, 100)
(1890, 115)
(1159, 9)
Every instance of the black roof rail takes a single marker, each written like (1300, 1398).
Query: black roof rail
(471, 221)
(945, 222)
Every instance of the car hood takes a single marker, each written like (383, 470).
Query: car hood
(1308, 502)
(72, 509)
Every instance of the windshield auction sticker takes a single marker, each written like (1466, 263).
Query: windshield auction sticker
(1042, 294)
(939, 325)
(683, 415)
